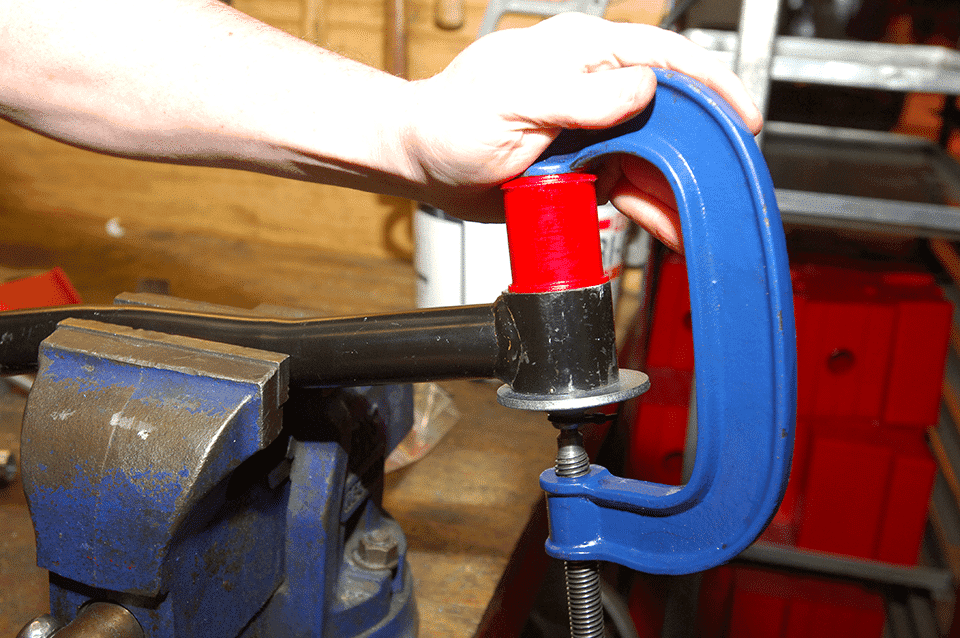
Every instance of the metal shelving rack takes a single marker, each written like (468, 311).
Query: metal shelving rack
(844, 160)
(852, 179)
(920, 202)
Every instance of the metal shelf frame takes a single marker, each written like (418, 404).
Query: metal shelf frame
(760, 57)
(870, 65)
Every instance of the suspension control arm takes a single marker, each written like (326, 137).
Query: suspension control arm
(435, 344)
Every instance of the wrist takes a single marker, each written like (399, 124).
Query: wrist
(399, 136)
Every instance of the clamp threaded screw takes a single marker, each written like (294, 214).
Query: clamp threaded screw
(582, 577)
(583, 598)
(572, 459)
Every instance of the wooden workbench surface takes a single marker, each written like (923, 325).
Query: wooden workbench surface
(463, 506)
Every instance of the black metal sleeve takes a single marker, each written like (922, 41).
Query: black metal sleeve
(566, 338)
(423, 345)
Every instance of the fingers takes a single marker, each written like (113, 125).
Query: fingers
(593, 100)
(669, 50)
(656, 217)
(680, 54)
(605, 46)
(645, 196)
(648, 178)
(516, 89)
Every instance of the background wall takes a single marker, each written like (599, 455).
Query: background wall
(42, 177)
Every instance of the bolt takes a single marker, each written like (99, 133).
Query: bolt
(40, 627)
(378, 549)
(8, 467)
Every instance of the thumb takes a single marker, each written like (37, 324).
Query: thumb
(594, 100)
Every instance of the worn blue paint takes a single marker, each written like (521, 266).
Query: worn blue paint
(313, 545)
(217, 574)
(267, 560)
(394, 404)
(318, 578)
(743, 335)
(110, 516)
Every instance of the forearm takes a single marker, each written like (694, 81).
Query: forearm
(195, 82)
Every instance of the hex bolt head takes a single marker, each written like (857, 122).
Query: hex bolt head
(377, 549)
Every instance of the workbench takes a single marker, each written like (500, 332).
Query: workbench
(464, 507)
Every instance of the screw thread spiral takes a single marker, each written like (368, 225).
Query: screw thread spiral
(583, 599)
(582, 577)
(572, 459)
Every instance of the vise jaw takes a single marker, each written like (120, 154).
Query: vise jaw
(127, 436)
(175, 476)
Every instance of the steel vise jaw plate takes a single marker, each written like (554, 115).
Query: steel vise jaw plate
(125, 432)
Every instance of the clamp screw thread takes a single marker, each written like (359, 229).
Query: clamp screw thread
(583, 599)
(572, 459)
(583, 577)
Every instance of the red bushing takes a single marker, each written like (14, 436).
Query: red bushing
(553, 233)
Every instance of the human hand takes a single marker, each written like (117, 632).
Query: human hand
(642, 193)
(500, 103)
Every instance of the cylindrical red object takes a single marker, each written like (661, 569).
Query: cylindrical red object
(553, 233)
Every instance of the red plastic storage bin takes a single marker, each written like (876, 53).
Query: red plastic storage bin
(51, 288)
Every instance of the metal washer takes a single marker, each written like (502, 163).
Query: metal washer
(632, 383)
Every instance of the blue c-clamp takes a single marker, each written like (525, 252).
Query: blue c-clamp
(743, 334)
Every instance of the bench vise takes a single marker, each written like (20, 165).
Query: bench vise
(195, 473)
(185, 480)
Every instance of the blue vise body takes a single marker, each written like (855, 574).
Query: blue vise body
(160, 474)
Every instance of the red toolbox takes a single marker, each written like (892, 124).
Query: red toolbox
(866, 490)
(871, 341)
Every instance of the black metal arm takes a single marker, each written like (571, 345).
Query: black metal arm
(435, 344)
